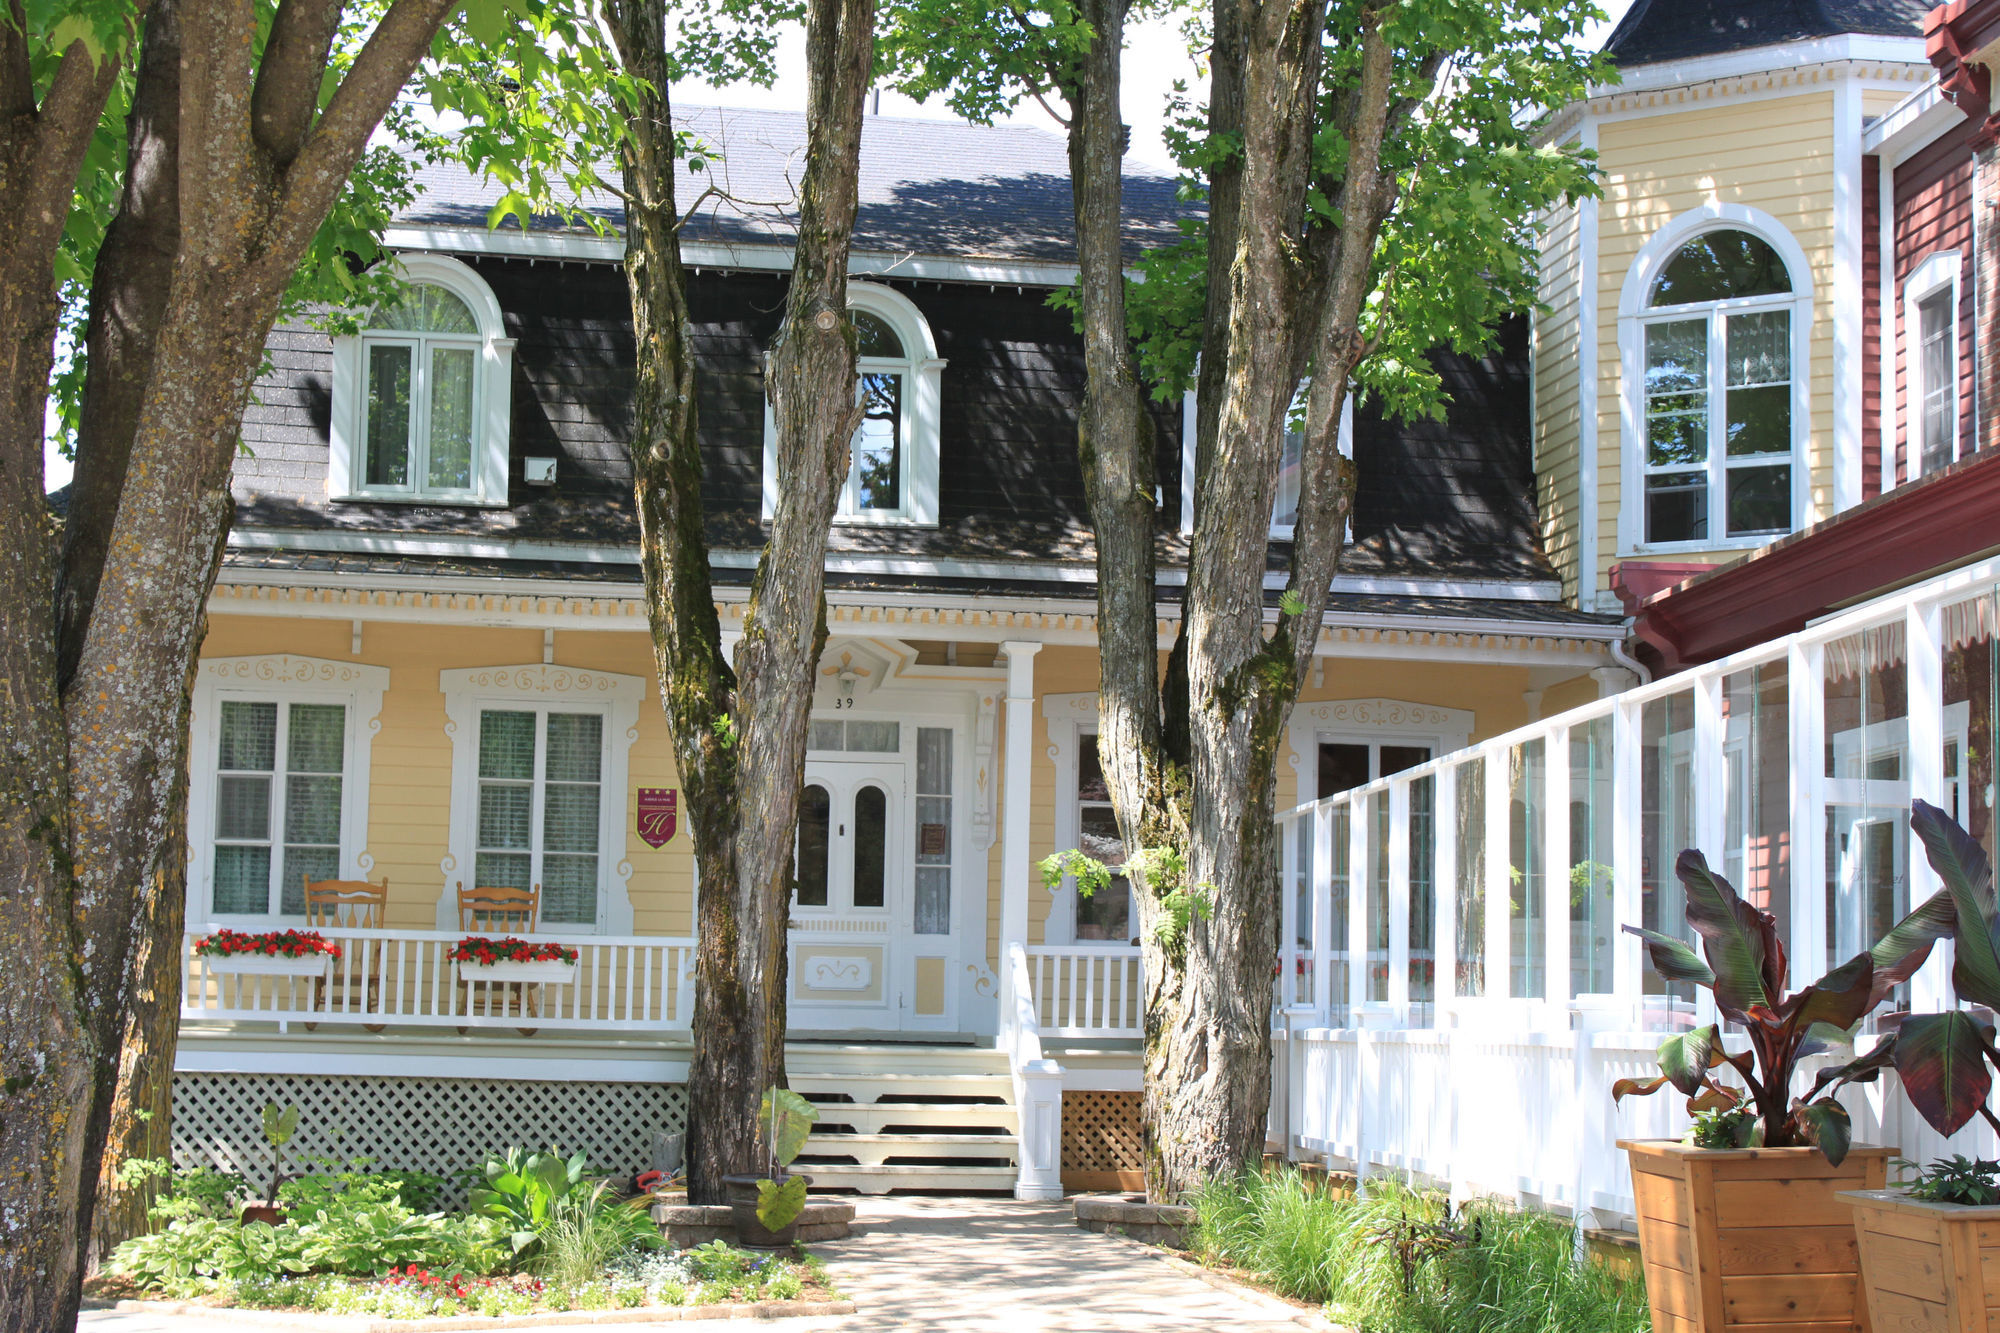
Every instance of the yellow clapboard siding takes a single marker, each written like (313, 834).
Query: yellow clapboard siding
(1771, 154)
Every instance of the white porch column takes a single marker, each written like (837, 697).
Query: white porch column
(1018, 799)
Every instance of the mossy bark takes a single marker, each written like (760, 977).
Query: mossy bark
(93, 737)
(740, 729)
(1194, 767)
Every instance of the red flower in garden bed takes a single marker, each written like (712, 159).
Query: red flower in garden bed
(226, 943)
(481, 950)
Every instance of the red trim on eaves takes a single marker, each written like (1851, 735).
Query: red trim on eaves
(1952, 34)
(1934, 523)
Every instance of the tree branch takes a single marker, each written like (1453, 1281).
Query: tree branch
(17, 77)
(319, 171)
(288, 79)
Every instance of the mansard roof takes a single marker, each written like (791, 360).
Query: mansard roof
(927, 187)
(1655, 31)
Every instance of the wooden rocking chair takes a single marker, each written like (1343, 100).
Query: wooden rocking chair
(349, 904)
(499, 910)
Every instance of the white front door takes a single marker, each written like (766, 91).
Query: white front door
(851, 898)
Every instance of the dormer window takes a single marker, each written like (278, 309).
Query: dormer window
(421, 394)
(892, 472)
(1714, 359)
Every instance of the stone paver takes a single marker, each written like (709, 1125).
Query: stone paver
(965, 1265)
(995, 1264)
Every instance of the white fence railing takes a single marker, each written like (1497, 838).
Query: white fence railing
(1455, 991)
(1087, 990)
(403, 977)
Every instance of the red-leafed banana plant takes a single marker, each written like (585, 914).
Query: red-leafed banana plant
(1745, 970)
(1942, 1058)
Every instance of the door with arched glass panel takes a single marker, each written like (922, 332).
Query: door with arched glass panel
(850, 894)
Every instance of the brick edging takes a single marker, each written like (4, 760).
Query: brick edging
(341, 1323)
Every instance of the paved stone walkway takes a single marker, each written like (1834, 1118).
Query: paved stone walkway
(964, 1265)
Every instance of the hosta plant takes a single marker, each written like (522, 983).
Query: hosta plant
(1943, 1060)
(523, 1189)
(1743, 964)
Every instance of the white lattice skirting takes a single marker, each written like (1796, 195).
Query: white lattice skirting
(439, 1125)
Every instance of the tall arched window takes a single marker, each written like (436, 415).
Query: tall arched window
(892, 474)
(421, 394)
(1718, 365)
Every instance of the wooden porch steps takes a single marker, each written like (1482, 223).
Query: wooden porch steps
(912, 1122)
(885, 1179)
(885, 1149)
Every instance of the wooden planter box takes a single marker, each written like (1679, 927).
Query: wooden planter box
(266, 965)
(1755, 1239)
(542, 972)
(1927, 1267)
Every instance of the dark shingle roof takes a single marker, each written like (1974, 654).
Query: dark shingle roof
(1654, 31)
(932, 187)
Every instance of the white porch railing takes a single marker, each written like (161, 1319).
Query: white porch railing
(1454, 989)
(619, 984)
(1087, 990)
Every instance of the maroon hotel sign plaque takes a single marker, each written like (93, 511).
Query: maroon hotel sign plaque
(659, 814)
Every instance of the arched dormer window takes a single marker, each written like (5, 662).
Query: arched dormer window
(1715, 358)
(892, 474)
(421, 395)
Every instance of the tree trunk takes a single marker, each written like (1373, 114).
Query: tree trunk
(1196, 772)
(96, 728)
(129, 288)
(740, 735)
(141, 1116)
(48, 1052)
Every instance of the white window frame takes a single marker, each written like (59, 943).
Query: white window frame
(492, 396)
(1372, 722)
(1280, 532)
(283, 679)
(1069, 718)
(923, 379)
(1945, 269)
(538, 687)
(1634, 314)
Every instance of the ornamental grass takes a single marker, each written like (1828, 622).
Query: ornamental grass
(1398, 1261)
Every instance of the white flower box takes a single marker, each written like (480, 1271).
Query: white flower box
(267, 965)
(543, 971)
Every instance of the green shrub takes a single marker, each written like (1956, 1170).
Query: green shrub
(1489, 1269)
(415, 1190)
(346, 1235)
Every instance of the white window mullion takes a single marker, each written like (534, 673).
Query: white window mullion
(420, 418)
(280, 796)
(1718, 426)
(538, 796)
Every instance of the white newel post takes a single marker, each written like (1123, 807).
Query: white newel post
(1018, 797)
(1037, 1081)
